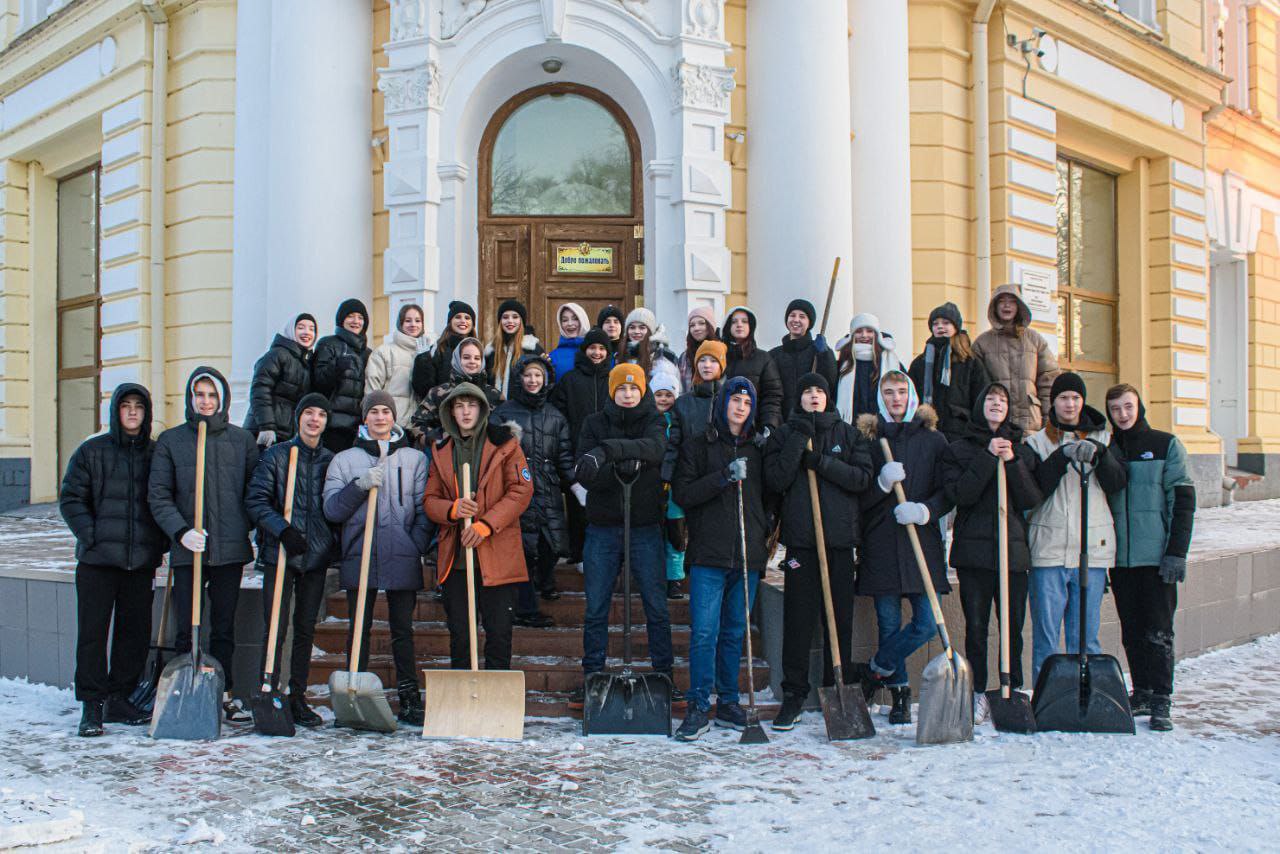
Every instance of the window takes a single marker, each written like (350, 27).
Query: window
(1227, 47)
(1142, 11)
(78, 299)
(1087, 281)
(35, 11)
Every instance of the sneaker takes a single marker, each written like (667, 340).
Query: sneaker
(981, 708)
(534, 621)
(674, 592)
(303, 715)
(91, 719)
(731, 716)
(235, 711)
(694, 726)
(578, 698)
(1140, 702)
(550, 594)
(792, 708)
(901, 711)
(120, 711)
(438, 593)
(1161, 713)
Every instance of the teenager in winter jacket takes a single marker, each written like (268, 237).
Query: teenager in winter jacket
(647, 343)
(280, 379)
(501, 489)
(815, 439)
(665, 385)
(624, 440)
(230, 456)
(391, 365)
(1017, 357)
(801, 352)
(948, 375)
(573, 328)
(118, 547)
(431, 368)
(544, 439)
(969, 476)
(383, 458)
(466, 365)
(1153, 517)
(610, 321)
(888, 571)
(513, 339)
(701, 326)
(863, 357)
(691, 413)
(307, 540)
(339, 373)
(746, 359)
(1075, 436)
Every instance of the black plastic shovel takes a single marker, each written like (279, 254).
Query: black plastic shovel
(271, 715)
(1010, 710)
(143, 696)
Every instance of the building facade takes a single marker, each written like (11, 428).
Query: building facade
(179, 178)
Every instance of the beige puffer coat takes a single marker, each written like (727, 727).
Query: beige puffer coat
(1019, 359)
(390, 369)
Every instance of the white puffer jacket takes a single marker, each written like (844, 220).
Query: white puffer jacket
(390, 368)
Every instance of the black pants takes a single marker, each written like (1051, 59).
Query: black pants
(223, 584)
(309, 588)
(979, 591)
(400, 605)
(541, 565)
(576, 518)
(802, 609)
(101, 593)
(495, 606)
(1146, 605)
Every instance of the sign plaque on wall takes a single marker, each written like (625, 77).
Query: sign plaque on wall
(584, 258)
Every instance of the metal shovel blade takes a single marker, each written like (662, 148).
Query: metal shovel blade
(486, 704)
(946, 701)
(359, 702)
(1082, 695)
(753, 733)
(189, 700)
(627, 703)
(845, 711)
(271, 715)
(1013, 714)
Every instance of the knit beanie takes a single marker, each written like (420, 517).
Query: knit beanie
(728, 319)
(290, 330)
(814, 379)
(311, 400)
(626, 373)
(596, 335)
(352, 306)
(610, 311)
(666, 377)
(716, 349)
(1067, 381)
(641, 315)
(947, 311)
(516, 306)
(459, 307)
(802, 305)
(703, 311)
(377, 397)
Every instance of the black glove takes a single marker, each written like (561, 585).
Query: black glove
(811, 460)
(802, 423)
(294, 542)
(677, 534)
(589, 465)
(629, 469)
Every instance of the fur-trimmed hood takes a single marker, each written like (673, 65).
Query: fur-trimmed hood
(869, 424)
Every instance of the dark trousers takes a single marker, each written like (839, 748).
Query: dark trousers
(104, 592)
(803, 611)
(576, 519)
(541, 565)
(979, 591)
(400, 605)
(223, 584)
(1146, 605)
(495, 606)
(309, 589)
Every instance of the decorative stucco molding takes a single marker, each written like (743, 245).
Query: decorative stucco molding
(410, 88)
(704, 19)
(457, 13)
(703, 87)
(408, 20)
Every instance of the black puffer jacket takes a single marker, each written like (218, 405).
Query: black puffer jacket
(280, 379)
(581, 392)
(544, 438)
(339, 375)
(954, 402)
(265, 503)
(757, 367)
(796, 357)
(432, 368)
(690, 415)
(230, 457)
(104, 494)
(639, 433)
(844, 473)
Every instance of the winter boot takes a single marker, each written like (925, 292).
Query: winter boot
(411, 711)
(731, 716)
(91, 719)
(235, 711)
(1140, 702)
(303, 715)
(868, 679)
(792, 707)
(120, 711)
(1161, 713)
(674, 593)
(695, 725)
(536, 620)
(901, 711)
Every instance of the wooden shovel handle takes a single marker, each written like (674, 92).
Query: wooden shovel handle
(823, 570)
(197, 520)
(281, 558)
(362, 598)
(831, 290)
(1002, 545)
(471, 574)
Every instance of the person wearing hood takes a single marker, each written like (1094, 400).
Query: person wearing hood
(1076, 436)
(230, 457)
(103, 500)
(574, 324)
(1153, 515)
(801, 352)
(307, 540)
(513, 339)
(865, 355)
(746, 359)
(950, 378)
(383, 458)
(501, 490)
(647, 343)
(624, 441)
(700, 327)
(391, 365)
(1017, 357)
(888, 572)
(610, 320)
(339, 373)
(815, 439)
(665, 385)
(466, 365)
(280, 379)
(721, 471)
(969, 478)
(544, 439)
(431, 368)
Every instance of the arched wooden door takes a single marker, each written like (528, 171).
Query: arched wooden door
(561, 211)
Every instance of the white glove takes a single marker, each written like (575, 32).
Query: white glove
(193, 541)
(911, 513)
(371, 478)
(891, 473)
(266, 438)
(580, 493)
(736, 471)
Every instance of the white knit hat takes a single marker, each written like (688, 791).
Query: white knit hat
(666, 377)
(641, 315)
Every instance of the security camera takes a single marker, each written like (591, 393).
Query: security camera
(1039, 53)
(1038, 33)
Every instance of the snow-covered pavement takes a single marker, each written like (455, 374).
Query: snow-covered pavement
(1214, 783)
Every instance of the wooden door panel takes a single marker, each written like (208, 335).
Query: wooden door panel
(553, 286)
(504, 270)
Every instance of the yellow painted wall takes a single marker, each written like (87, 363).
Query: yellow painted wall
(735, 16)
(15, 310)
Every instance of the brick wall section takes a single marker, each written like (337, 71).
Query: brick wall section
(15, 312)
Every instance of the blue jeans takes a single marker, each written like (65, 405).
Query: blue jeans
(1055, 607)
(719, 624)
(898, 641)
(601, 563)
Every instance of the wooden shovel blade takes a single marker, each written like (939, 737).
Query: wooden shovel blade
(487, 704)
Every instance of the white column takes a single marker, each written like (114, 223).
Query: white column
(798, 216)
(881, 158)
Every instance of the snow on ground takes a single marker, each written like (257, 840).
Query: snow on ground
(1243, 527)
(1214, 783)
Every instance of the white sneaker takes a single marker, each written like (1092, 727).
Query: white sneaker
(235, 711)
(981, 708)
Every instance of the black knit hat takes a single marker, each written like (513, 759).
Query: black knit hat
(810, 380)
(352, 306)
(947, 311)
(457, 307)
(610, 311)
(1067, 381)
(802, 305)
(595, 335)
(311, 400)
(308, 316)
(516, 306)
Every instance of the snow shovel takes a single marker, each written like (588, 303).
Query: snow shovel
(752, 733)
(473, 703)
(843, 707)
(356, 696)
(189, 693)
(626, 703)
(143, 696)
(1082, 692)
(271, 715)
(1010, 710)
(946, 686)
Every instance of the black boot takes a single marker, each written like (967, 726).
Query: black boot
(789, 713)
(411, 711)
(91, 719)
(303, 715)
(536, 620)
(120, 711)
(901, 711)
(673, 591)
(868, 679)
(1161, 713)
(1140, 702)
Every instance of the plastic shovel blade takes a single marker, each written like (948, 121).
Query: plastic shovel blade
(845, 711)
(946, 701)
(189, 700)
(1082, 696)
(143, 696)
(487, 704)
(271, 715)
(627, 703)
(1013, 714)
(359, 702)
